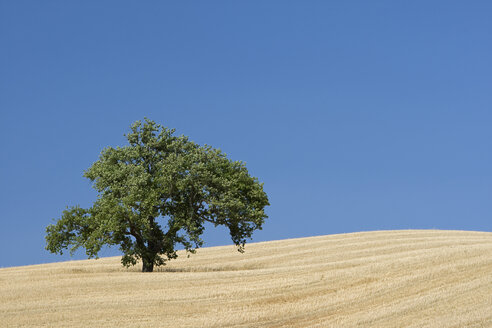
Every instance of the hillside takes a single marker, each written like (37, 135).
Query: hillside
(409, 278)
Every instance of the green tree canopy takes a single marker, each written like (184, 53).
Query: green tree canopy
(156, 193)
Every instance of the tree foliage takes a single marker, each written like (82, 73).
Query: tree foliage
(157, 193)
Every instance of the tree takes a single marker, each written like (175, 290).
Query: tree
(158, 192)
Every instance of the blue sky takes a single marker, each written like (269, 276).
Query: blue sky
(357, 115)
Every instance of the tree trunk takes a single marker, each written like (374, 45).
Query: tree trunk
(147, 266)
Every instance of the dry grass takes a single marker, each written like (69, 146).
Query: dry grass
(414, 278)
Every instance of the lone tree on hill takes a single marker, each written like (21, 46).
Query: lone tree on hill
(160, 177)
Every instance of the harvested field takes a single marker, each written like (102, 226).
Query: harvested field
(407, 278)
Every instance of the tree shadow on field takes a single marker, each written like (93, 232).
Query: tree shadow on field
(210, 268)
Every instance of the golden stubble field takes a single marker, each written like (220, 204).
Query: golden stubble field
(409, 278)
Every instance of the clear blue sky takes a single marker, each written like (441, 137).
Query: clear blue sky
(357, 115)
